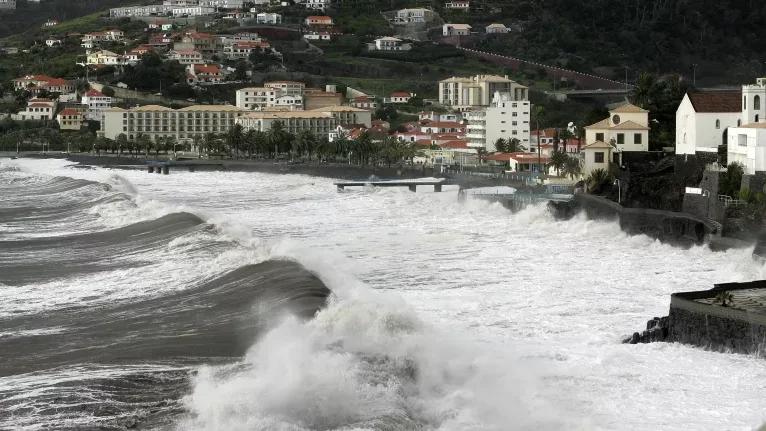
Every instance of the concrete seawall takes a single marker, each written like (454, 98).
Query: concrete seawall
(672, 227)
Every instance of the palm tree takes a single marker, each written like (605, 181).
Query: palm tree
(597, 178)
(210, 143)
(514, 146)
(363, 146)
(255, 142)
(644, 91)
(558, 161)
(277, 136)
(341, 145)
(235, 138)
(538, 116)
(324, 147)
(501, 146)
(391, 149)
(159, 144)
(480, 152)
(122, 142)
(306, 142)
(572, 168)
(196, 143)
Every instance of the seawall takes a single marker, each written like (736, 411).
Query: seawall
(667, 226)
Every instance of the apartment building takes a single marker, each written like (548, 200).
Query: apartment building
(204, 43)
(37, 109)
(7, 4)
(294, 88)
(319, 123)
(184, 124)
(185, 57)
(97, 103)
(256, 98)
(69, 119)
(505, 118)
(464, 93)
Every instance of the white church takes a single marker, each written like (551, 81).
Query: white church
(738, 120)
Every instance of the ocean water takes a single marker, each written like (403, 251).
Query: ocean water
(240, 301)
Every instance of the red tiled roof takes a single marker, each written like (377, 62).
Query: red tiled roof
(206, 68)
(546, 133)
(401, 94)
(319, 18)
(362, 99)
(445, 125)
(39, 105)
(455, 144)
(703, 102)
(68, 111)
(323, 94)
(94, 93)
(246, 45)
(57, 82)
(34, 78)
(40, 100)
(423, 142)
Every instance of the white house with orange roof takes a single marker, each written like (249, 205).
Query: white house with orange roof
(388, 44)
(412, 136)
(318, 21)
(598, 155)
(46, 82)
(203, 74)
(497, 29)
(399, 97)
(627, 127)
(242, 50)
(50, 23)
(316, 4)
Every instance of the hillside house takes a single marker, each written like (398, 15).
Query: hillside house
(185, 56)
(364, 102)
(413, 15)
(106, 58)
(242, 50)
(458, 4)
(399, 97)
(627, 129)
(323, 35)
(268, 18)
(497, 29)
(318, 21)
(37, 109)
(388, 44)
(52, 42)
(97, 103)
(69, 119)
(50, 23)
(443, 127)
(203, 74)
(317, 4)
(35, 83)
(456, 30)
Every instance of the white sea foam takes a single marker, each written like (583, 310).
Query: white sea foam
(530, 310)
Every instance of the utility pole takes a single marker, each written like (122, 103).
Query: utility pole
(626, 77)
(694, 74)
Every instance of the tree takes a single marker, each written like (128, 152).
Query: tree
(480, 153)
(645, 90)
(598, 178)
(240, 71)
(513, 145)
(159, 144)
(256, 142)
(306, 143)
(122, 142)
(170, 144)
(108, 91)
(277, 137)
(210, 143)
(538, 116)
(572, 168)
(235, 138)
(501, 145)
(558, 161)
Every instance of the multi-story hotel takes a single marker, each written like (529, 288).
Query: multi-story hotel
(466, 93)
(319, 123)
(256, 98)
(183, 124)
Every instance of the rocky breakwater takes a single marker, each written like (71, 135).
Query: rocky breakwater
(656, 330)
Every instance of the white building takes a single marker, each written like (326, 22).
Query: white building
(597, 155)
(52, 41)
(458, 4)
(291, 101)
(702, 120)
(192, 11)
(240, 37)
(268, 18)
(497, 29)
(226, 4)
(747, 145)
(130, 11)
(185, 56)
(389, 44)
(7, 4)
(399, 97)
(319, 123)
(456, 30)
(317, 4)
(627, 129)
(256, 98)
(439, 116)
(465, 93)
(413, 15)
(37, 109)
(154, 121)
(287, 87)
(504, 118)
(97, 103)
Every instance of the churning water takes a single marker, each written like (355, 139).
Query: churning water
(237, 301)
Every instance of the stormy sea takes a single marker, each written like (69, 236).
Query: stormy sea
(244, 301)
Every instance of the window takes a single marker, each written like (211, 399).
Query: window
(515, 114)
(598, 157)
(620, 138)
(744, 102)
(739, 123)
(503, 122)
(514, 123)
(717, 124)
(515, 132)
(757, 103)
(600, 137)
(616, 120)
(757, 117)
(637, 139)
